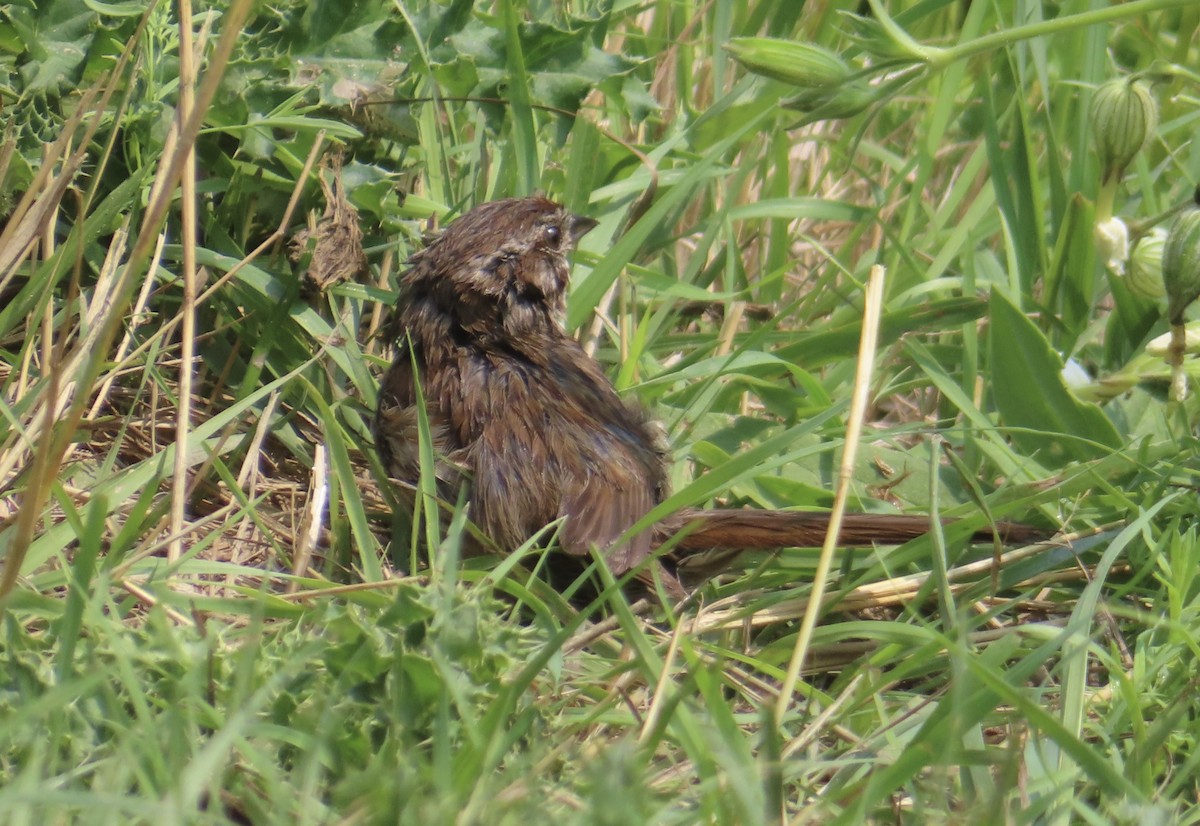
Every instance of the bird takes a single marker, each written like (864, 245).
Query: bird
(532, 426)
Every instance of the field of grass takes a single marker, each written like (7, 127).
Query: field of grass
(215, 609)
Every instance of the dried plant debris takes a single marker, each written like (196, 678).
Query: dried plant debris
(331, 246)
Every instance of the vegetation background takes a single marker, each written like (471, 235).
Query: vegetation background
(209, 613)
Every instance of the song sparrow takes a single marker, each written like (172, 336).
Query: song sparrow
(520, 413)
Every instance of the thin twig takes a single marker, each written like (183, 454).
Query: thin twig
(187, 344)
(858, 409)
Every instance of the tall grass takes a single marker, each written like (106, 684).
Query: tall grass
(215, 607)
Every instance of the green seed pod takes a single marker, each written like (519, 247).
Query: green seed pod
(1145, 265)
(1123, 116)
(1181, 264)
(843, 102)
(800, 64)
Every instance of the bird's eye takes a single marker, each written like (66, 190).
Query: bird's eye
(553, 233)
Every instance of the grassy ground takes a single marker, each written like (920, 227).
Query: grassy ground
(215, 610)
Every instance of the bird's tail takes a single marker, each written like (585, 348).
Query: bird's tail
(711, 530)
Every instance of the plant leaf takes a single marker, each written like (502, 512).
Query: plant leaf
(1032, 397)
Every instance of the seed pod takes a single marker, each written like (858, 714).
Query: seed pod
(1123, 116)
(841, 102)
(800, 64)
(1145, 265)
(1181, 264)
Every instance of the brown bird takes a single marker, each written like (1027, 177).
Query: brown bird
(524, 417)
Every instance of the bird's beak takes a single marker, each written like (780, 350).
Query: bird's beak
(579, 226)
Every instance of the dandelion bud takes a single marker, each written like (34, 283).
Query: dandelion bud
(843, 102)
(1123, 116)
(800, 64)
(1145, 265)
(1181, 264)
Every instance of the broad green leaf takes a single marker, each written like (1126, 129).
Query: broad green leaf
(1027, 384)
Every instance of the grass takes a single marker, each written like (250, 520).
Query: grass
(214, 607)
